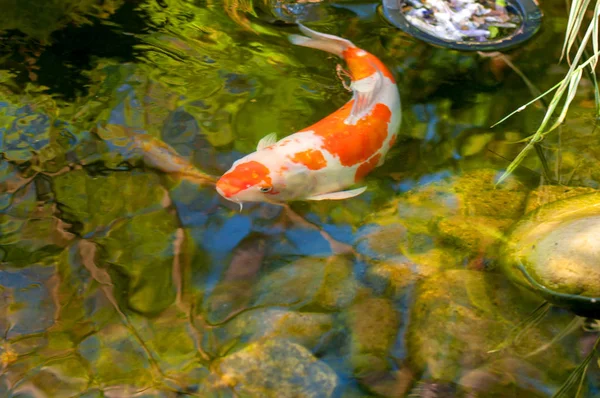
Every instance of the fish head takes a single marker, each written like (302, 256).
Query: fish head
(248, 180)
(266, 177)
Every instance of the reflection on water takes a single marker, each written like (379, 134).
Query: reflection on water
(124, 273)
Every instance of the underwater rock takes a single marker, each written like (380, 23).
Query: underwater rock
(234, 292)
(555, 252)
(444, 223)
(459, 318)
(275, 368)
(94, 203)
(141, 254)
(448, 332)
(391, 277)
(316, 283)
(116, 358)
(389, 384)
(472, 234)
(61, 377)
(309, 329)
(373, 324)
(509, 376)
(138, 236)
(479, 196)
(26, 303)
(550, 193)
(31, 229)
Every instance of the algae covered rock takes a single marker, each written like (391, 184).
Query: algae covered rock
(374, 324)
(323, 283)
(275, 368)
(446, 221)
(453, 324)
(306, 328)
(550, 193)
(555, 252)
(31, 229)
(461, 320)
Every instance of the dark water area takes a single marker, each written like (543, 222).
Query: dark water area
(119, 278)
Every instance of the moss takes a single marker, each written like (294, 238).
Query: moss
(373, 324)
(550, 193)
(311, 283)
(306, 328)
(275, 368)
(474, 234)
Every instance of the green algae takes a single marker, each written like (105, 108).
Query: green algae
(120, 280)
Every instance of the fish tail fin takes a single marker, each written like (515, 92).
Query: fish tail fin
(322, 41)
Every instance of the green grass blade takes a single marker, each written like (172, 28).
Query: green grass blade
(594, 22)
(517, 332)
(573, 84)
(576, 16)
(527, 104)
(577, 374)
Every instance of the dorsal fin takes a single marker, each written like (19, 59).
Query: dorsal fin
(365, 96)
(266, 141)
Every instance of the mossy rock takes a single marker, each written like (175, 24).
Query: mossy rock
(310, 283)
(391, 277)
(479, 195)
(275, 368)
(555, 251)
(310, 329)
(460, 317)
(374, 324)
(473, 234)
(444, 223)
(550, 193)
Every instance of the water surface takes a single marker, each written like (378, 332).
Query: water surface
(120, 280)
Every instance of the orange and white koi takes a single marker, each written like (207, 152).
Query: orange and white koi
(321, 161)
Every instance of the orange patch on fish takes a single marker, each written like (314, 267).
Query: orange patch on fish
(243, 176)
(354, 143)
(366, 167)
(313, 159)
(365, 65)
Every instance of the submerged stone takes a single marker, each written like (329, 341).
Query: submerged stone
(555, 252)
(459, 319)
(306, 328)
(275, 368)
(319, 283)
(445, 222)
(550, 193)
(374, 324)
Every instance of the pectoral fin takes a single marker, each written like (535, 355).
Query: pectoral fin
(266, 141)
(339, 195)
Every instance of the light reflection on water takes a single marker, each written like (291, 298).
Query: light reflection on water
(122, 280)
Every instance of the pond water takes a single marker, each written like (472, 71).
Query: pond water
(120, 279)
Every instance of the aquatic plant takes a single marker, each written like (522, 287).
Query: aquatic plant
(566, 89)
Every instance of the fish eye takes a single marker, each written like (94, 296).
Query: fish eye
(265, 189)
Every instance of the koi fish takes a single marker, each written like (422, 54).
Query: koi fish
(322, 160)
(159, 155)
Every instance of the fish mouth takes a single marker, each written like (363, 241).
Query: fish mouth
(220, 192)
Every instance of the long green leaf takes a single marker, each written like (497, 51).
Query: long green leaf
(561, 87)
(527, 104)
(577, 374)
(573, 83)
(576, 16)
